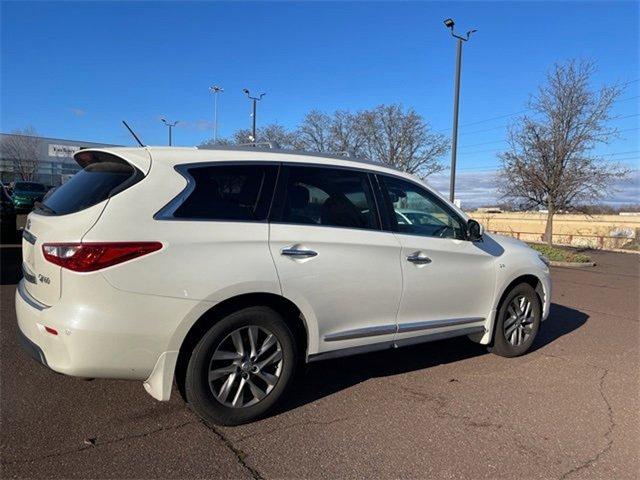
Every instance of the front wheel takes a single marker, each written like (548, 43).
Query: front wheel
(517, 322)
(241, 367)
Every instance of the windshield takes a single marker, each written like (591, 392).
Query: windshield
(29, 187)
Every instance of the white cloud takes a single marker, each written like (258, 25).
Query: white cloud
(78, 112)
(480, 188)
(197, 125)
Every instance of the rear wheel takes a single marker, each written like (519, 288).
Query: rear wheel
(241, 367)
(517, 322)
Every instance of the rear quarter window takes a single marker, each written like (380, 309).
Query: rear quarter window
(103, 175)
(224, 192)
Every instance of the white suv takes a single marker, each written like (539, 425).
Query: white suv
(228, 268)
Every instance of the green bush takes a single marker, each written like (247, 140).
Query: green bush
(556, 254)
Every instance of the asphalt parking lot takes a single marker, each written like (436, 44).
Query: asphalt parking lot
(569, 409)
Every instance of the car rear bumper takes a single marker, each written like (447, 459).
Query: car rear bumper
(31, 349)
(104, 332)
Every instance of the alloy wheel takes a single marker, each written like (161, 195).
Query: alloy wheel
(245, 367)
(518, 324)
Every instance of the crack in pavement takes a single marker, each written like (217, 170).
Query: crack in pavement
(239, 454)
(440, 409)
(291, 425)
(612, 424)
(97, 445)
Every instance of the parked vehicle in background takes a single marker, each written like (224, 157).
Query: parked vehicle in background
(25, 194)
(8, 230)
(229, 268)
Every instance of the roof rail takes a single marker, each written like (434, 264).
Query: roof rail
(343, 153)
(271, 145)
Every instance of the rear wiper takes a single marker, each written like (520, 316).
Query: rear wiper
(44, 208)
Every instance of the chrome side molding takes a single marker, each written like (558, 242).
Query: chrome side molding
(449, 322)
(402, 328)
(360, 333)
(389, 344)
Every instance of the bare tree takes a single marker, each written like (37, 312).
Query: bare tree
(386, 134)
(549, 160)
(23, 148)
(314, 133)
(269, 133)
(402, 140)
(339, 132)
(346, 135)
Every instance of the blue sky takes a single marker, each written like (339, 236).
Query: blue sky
(75, 70)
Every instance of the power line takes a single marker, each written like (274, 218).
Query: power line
(506, 115)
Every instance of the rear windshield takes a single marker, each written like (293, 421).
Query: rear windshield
(103, 176)
(29, 187)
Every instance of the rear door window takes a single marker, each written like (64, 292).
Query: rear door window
(334, 197)
(103, 176)
(226, 192)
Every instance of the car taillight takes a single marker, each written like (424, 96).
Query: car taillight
(88, 257)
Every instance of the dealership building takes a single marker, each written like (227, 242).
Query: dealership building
(54, 159)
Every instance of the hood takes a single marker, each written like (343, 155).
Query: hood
(510, 243)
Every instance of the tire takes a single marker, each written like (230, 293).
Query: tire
(244, 387)
(519, 334)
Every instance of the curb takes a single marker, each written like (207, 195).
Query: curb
(573, 264)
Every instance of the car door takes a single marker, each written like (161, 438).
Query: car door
(448, 281)
(332, 257)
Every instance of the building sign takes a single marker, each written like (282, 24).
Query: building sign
(62, 150)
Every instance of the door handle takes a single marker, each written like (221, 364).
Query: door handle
(297, 252)
(418, 258)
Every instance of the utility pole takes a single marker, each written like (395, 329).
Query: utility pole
(255, 100)
(215, 90)
(170, 125)
(449, 23)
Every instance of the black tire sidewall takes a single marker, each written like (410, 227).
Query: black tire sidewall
(197, 391)
(500, 344)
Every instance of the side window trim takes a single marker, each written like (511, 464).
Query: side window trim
(280, 195)
(393, 226)
(167, 212)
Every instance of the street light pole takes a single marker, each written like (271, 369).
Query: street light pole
(255, 100)
(215, 90)
(170, 125)
(449, 23)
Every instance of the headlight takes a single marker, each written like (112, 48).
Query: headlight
(544, 259)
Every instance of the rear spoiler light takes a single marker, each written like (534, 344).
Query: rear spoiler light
(89, 257)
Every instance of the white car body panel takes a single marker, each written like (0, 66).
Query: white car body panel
(130, 320)
(432, 292)
(353, 283)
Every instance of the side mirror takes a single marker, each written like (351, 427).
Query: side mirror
(474, 231)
